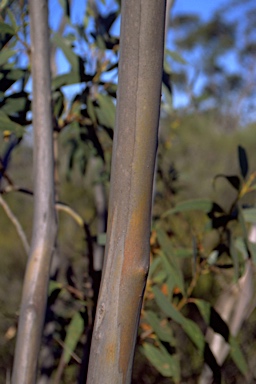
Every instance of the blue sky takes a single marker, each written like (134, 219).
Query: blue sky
(203, 7)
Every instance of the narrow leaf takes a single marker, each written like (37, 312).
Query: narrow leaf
(169, 260)
(174, 272)
(243, 161)
(12, 19)
(164, 363)
(191, 329)
(160, 327)
(6, 28)
(6, 124)
(249, 215)
(5, 55)
(234, 256)
(74, 332)
(106, 111)
(65, 46)
(175, 56)
(90, 110)
(204, 205)
(204, 308)
(237, 356)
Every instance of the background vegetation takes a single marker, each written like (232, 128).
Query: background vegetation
(199, 250)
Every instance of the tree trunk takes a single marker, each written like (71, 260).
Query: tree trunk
(135, 141)
(35, 287)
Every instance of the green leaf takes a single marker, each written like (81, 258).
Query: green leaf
(106, 111)
(237, 356)
(90, 110)
(65, 46)
(161, 327)
(5, 55)
(175, 56)
(204, 308)
(234, 256)
(241, 247)
(168, 105)
(253, 251)
(13, 105)
(191, 329)
(174, 272)
(204, 205)
(6, 28)
(101, 238)
(53, 285)
(154, 266)
(243, 161)
(74, 332)
(249, 215)
(6, 124)
(169, 260)
(12, 19)
(183, 253)
(164, 363)
(65, 79)
(160, 276)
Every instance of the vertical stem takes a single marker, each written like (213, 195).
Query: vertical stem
(135, 141)
(35, 287)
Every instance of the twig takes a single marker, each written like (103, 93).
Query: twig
(16, 223)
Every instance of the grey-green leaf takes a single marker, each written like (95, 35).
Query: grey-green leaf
(204, 205)
(6, 28)
(160, 327)
(165, 363)
(237, 356)
(191, 328)
(74, 332)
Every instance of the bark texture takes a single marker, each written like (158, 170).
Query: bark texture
(135, 141)
(35, 287)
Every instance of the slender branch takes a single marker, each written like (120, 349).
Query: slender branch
(16, 224)
(35, 288)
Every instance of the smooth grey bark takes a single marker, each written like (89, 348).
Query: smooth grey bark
(135, 141)
(35, 287)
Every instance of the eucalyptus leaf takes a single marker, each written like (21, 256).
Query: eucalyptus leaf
(164, 363)
(66, 47)
(204, 308)
(160, 326)
(249, 215)
(6, 124)
(6, 28)
(243, 161)
(175, 56)
(12, 19)
(237, 356)
(5, 55)
(106, 111)
(204, 205)
(74, 332)
(191, 328)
